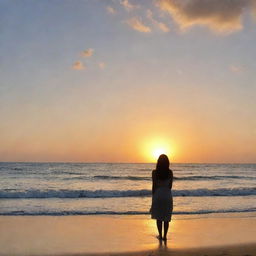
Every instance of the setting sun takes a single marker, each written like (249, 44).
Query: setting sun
(159, 151)
(155, 147)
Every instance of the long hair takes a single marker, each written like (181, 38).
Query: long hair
(162, 167)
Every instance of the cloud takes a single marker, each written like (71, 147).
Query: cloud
(78, 65)
(236, 68)
(111, 10)
(137, 24)
(162, 26)
(88, 53)
(223, 16)
(127, 5)
(180, 72)
(102, 65)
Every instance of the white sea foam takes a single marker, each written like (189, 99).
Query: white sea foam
(122, 193)
(70, 212)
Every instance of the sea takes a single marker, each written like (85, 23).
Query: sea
(123, 188)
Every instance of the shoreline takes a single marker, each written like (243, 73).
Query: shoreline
(213, 215)
(125, 235)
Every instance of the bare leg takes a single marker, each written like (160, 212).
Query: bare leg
(166, 226)
(159, 227)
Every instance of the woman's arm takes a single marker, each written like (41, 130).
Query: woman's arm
(171, 179)
(153, 182)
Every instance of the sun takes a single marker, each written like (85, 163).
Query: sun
(155, 147)
(159, 151)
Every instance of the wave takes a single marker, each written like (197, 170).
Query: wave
(105, 177)
(9, 193)
(194, 177)
(65, 212)
(216, 177)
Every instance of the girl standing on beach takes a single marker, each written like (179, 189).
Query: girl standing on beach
(162, 203)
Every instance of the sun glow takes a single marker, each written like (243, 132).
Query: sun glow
(159, 151)
(153, 149)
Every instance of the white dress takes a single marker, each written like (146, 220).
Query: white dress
(162, 203)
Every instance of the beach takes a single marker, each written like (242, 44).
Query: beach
(223, 234)
(96, 208)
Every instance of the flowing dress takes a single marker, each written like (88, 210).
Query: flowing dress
(162, 202)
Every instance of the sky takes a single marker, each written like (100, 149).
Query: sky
(115, 81)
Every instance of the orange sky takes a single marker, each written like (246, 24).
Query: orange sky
(116, 81)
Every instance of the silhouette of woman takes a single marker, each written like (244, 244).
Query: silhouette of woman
(162, 203)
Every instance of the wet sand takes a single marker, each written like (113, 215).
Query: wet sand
(126, 235)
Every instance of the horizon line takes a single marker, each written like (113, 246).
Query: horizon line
(101, 162)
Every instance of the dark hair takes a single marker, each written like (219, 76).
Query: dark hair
(162, 167)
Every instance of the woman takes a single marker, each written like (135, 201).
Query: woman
(162, 204)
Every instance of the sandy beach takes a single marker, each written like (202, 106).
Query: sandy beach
(230, 234)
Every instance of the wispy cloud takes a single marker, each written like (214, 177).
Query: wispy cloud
(88, 53)
(127, 5)
(223, 16)
(111, 10)
(102, 65)
(137, 24)
(236, 68)
(78, 65)
(162, 26)
(180, 72)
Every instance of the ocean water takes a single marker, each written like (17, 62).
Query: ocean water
(112, 188)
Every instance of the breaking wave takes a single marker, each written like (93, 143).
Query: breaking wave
(64, 193)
